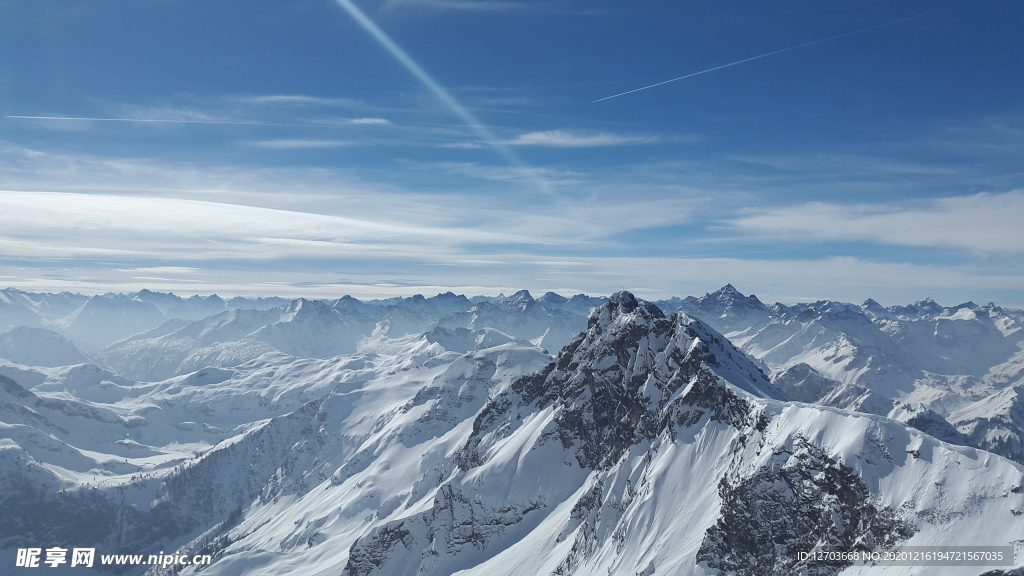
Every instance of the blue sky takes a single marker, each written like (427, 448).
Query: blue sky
(285, 148)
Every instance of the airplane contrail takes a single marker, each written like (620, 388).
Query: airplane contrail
(416, 70)
(156, 120)
(775, 52)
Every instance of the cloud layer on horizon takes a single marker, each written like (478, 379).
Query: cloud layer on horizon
(222, 229)
(984, 223)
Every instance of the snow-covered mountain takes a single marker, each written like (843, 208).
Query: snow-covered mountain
(843, 345)
(93, 322)
(650, 444)
(39, 347)
(802, 383)
(726, 309)
(19, 308)
(579, 304)
(302, 328)
(105, 319)
(549, 324)
(950, 371)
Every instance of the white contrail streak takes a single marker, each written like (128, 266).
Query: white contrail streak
(164, 121)
(773, 53)
(416, 70)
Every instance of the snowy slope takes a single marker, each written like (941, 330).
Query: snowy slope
(179, 346)
(802, 383)
(312, 329)
(417, 385)
(39, 347)
(102, 320)
(994, 423)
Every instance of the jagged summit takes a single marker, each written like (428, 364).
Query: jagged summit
(519, 297)
(553, 298)
(729, 296)
(726, 309)
(921, 309)
(874, 309)
(622, 303)
(449, 296)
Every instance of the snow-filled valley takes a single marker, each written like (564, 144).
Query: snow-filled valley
(509, 435)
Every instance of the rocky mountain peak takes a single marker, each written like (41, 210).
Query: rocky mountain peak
(301, 308)
(874, 309)
(729, 296)
(613, 384)
(553, 298)
(926, 308)
(521, 297)
(624, 302)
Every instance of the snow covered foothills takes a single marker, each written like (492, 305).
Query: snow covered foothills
(510, 435)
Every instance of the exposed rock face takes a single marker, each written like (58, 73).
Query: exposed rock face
(799, 501)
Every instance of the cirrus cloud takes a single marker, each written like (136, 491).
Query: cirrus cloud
(983, 222)
(296, 144)
(570, 139)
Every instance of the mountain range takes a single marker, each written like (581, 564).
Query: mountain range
(508, 435)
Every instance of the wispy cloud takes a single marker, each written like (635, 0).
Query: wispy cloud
(519, 174)
(296, 144)
(63, 225)
(987, 138)
(463, 145)
(984, 222)
(152, 121)
(165, 270)
(861, 165)
(59, 121)
(281, 227)
(341, 122)
(166, 113)
(369, 121)
(570, 139)
(299, 100)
